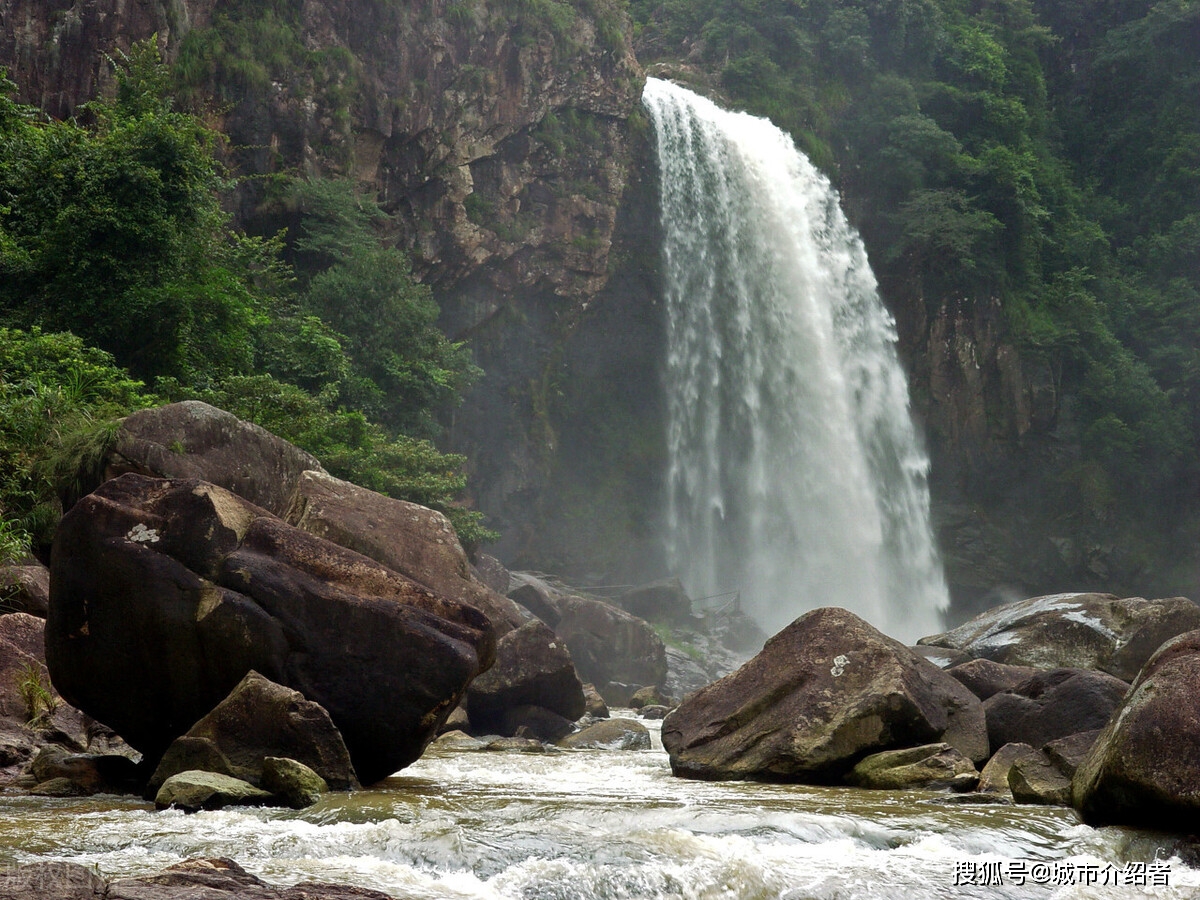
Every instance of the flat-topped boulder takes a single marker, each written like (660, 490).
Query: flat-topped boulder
(822, 694)
(1079, 630)
(413, 540)
(984, 677)
(192, 439)
(165, 593)
(1144, 768)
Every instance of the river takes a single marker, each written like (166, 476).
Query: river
(586, 825)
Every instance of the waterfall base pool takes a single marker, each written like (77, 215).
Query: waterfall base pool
(586, 825)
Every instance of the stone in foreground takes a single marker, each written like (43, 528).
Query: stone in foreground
(292, 783)
(195, 790)
(930, 767)
(825, 692)
(164, 594)
(1144, 768)
(260, 719)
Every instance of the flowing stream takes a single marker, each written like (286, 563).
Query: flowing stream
(605, 825)
(795, 474)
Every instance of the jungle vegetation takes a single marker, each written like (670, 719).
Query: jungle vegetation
(124, 283)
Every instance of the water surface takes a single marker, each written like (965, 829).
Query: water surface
(604, 825)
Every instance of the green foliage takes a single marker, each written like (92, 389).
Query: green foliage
(58, 399)
(348, 445)
(402, 368)
(14, 545)
(115, 233)
(37, 695)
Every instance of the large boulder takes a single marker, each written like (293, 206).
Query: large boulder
(1081, 631)
(613, 649)
(410, 539)
(658, 601)
(194, 440)
(32, 713)
(260, 719)
(1144, 768)
(164, 594)
(532, 668)
(609, 644)
(825, 692)
(1052, 705)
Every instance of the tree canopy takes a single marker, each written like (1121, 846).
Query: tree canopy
(116, 257)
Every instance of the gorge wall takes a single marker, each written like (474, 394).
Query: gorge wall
(506, 140)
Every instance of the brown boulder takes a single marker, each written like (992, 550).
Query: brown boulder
(610, 645)
(25, 589)
(51, 881)
(993, 779)
(260, 719)
(194, 440)
(410, 539)
(1144, 768)
(1033, 778)
(983, 677)
(164, 594)
(532, 668)
(215, 879)
(1052, 705)
(1080, 631)
(536, 596)
(32, 713)
(825, 692)
(596, 707)
(90, 773)
(1068, 753)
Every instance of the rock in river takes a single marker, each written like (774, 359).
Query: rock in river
(825, 692)
(1082, 631)
(1144, 768)
(164, 594)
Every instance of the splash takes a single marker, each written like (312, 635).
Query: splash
(795, 474)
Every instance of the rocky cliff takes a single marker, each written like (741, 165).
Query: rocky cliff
(498, 135)
(505, 139)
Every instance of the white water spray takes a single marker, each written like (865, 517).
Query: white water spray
(795, 475)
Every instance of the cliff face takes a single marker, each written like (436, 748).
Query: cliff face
(496, 133)
(508, 146)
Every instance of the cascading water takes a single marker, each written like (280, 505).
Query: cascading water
(795, 475)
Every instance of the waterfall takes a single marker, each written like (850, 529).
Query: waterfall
(795, 474)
